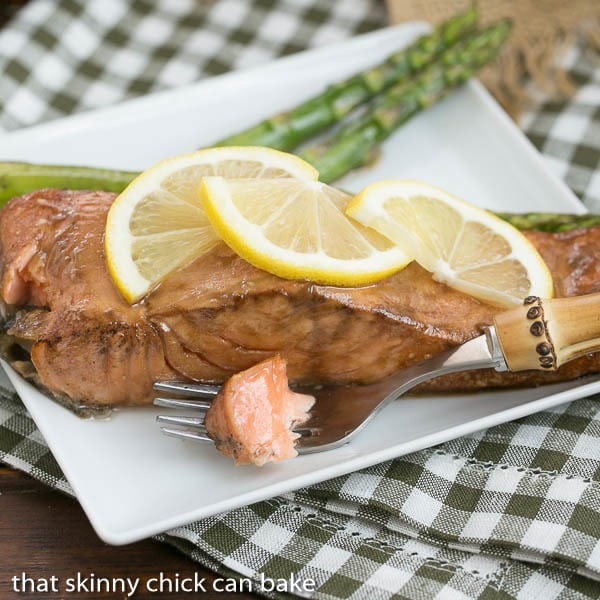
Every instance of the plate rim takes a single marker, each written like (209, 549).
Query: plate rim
(120, 537)
(154, 101)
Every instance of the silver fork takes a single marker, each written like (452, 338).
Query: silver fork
(540, 334)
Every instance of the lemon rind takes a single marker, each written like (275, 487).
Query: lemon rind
(229, 224)
(121, 266)
(367, 206)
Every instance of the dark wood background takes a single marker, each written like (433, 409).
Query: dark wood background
(44, 533)
(8, 8)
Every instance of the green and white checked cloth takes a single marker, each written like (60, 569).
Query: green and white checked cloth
(511, 512)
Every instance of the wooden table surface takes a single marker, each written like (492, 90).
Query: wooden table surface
(45, 534)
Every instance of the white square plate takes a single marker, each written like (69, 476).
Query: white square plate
(134, 482)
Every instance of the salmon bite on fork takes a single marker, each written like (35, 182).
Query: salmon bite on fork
(255, 418)
(252, 418)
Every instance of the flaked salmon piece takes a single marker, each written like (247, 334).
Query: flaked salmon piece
(252, 417)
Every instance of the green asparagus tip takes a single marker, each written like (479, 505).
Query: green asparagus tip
(550, 222)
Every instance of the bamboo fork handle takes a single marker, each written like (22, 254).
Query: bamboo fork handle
(545, 333)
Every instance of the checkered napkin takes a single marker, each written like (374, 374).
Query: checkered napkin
(511, 512)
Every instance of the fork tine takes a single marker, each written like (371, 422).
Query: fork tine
(307, 431)
(182, 403)
(197, 390)
(195, 422)
(186, 434)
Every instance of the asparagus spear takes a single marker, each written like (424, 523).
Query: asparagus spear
(20, 177)
(552, 222)
(355, 143)
(287, 130)
(284, 131)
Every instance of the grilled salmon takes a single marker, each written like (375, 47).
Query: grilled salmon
(86, 343)
(219, 315)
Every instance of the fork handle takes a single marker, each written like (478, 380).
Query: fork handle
(546, 333)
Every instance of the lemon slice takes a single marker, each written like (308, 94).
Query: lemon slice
(462, 245)
(298, 230)
(157, 223)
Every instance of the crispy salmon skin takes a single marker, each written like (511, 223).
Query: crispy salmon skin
(219, 315)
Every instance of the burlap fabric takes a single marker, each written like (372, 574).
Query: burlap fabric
(532, 64)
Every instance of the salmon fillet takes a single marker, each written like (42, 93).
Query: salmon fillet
(86, 343)
(219, 315)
